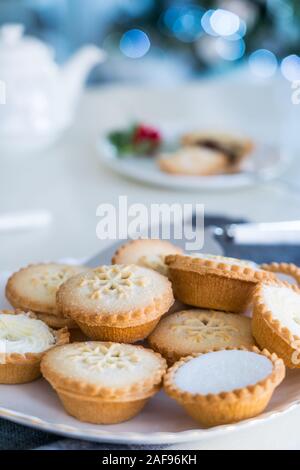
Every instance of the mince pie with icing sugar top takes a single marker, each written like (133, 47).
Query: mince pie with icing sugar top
(34, 288)
(276, 320)
(116, 302)
(197, 331)
(221, 387)
(102, 382)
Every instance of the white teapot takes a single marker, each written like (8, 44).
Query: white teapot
(38, 96)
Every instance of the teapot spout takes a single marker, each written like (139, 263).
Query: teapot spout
(75, 71)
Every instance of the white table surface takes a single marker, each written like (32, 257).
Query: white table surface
(69, 181)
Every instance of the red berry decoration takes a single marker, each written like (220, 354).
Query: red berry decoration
(138, 140)
(146, 133)
(146, 139)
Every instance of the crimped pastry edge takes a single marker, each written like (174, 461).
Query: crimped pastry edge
(56, 322)
(23, 302)
(261, 309)
(220, 268)
(172, 356)
(155, 309)
(124, 247)
(251, 391)
(140, 389)
(283, 268)
(62, 337)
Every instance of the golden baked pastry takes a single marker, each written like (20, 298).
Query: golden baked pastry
(149, 253)
(196, 331)
(215, 282)
(276, 320)
(24, 340)
(121, 303)
(221, 387)
(102, 382)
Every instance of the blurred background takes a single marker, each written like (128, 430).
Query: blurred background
(168, 41)
(206, 64)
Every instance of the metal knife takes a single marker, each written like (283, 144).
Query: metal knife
(266, 233)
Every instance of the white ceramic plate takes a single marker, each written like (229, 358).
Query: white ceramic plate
(161, 422)
(265, 163)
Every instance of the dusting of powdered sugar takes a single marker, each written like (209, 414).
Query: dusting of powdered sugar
(222, 371)
(284, 304)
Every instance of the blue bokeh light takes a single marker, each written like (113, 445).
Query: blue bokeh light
(290, 67)
(171, 15)
(224, 22)
(205, 22)
(263, 63)
(240, 33)
(135, 43)
(230, 50)
(184, 22)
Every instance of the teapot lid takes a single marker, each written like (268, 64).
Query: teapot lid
(16, 48)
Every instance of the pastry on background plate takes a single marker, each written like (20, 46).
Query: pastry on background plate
(276, 320)
(103, 383)
(24, 339)
(226, 386)
(193, 161)
(149, 253)
(215, 282)
(34, 288)
(235, 148)
(196, 331)
(117, 302)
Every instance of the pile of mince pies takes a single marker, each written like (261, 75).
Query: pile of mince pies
(219, 350)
